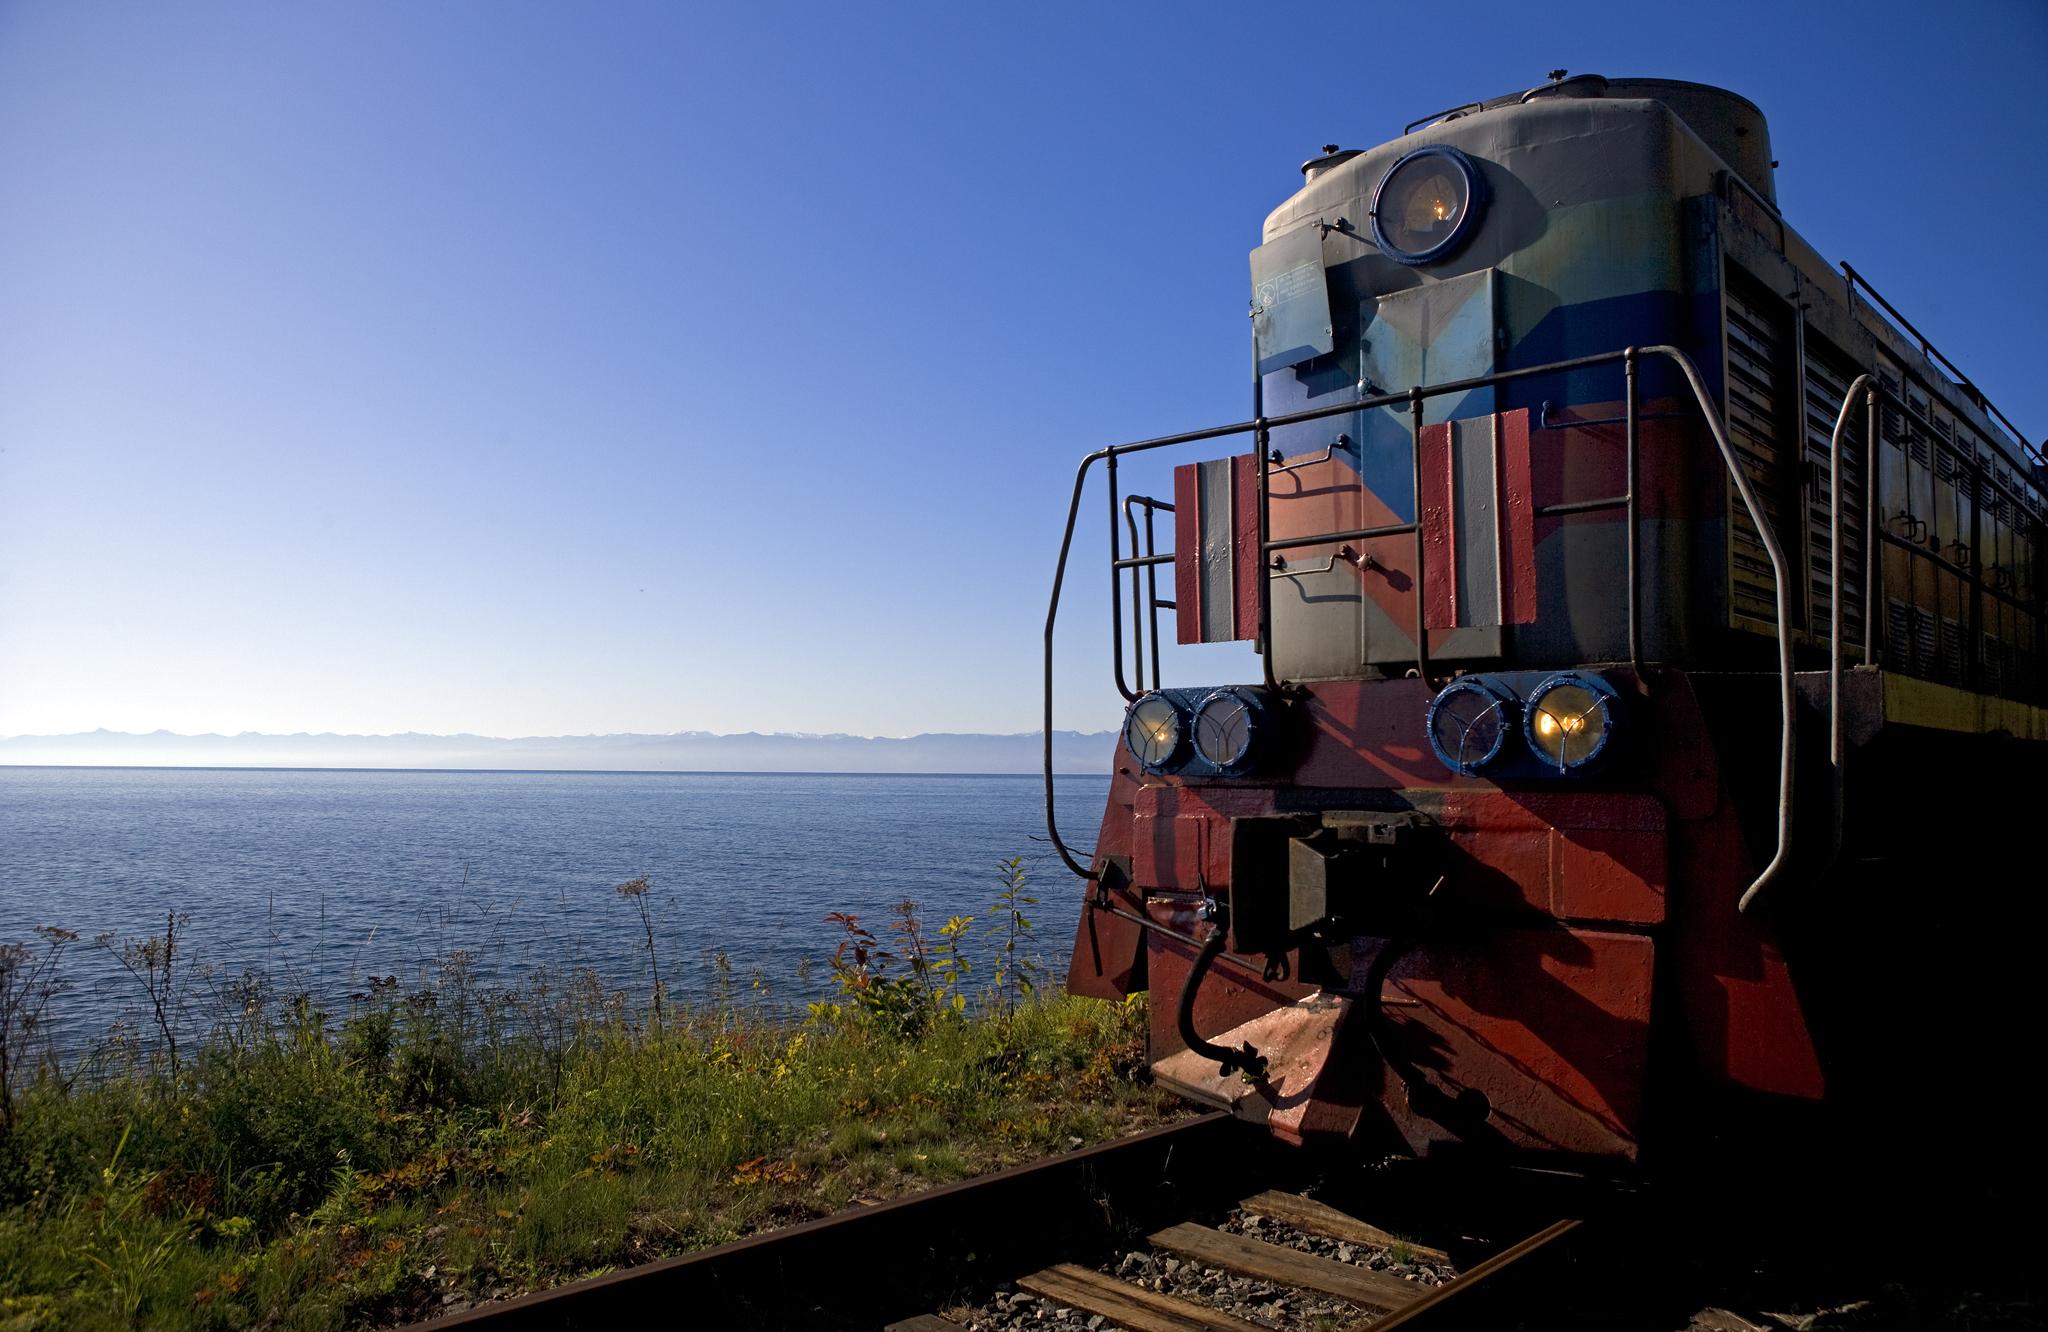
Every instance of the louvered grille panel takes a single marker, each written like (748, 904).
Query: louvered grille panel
(1827, 383)
(1898, 635)
(1758, 335)
(1950, 668)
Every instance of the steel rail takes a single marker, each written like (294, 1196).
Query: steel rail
(1451, 1304)
(1022, 1216)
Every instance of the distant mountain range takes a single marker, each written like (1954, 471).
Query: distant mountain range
(679, 751)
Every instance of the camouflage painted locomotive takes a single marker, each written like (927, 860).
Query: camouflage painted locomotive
(1617, 743)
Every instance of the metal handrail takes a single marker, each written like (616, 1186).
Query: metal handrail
(1855, 279)
(1836, 752)
(1147, 607)
(1260, 427)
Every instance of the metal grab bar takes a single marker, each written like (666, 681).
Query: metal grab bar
(1150, 564)
(1260, 427)
(1853, 279)
(1780, 577)
(1836, 751)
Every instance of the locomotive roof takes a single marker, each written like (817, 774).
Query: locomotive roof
(1708, 129)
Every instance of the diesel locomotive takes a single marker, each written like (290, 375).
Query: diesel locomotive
(1648, 699)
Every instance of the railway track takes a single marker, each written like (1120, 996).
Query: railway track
(1197, 1227)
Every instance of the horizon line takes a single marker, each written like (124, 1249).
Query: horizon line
(560, 735)
(538, 772)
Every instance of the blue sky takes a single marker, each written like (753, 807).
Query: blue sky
(523, 368)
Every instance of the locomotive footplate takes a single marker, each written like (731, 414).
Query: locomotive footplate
(1445, 985)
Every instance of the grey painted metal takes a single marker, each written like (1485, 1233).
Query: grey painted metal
(1476, 566)
(1729, 124)
(1212, 502)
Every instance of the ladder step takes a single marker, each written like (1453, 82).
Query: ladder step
(1322, 1219)
(1287, 1267)
(1128, 1306)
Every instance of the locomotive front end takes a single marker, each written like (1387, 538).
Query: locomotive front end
(1437, 874)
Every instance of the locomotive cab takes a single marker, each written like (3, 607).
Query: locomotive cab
(1551, 493)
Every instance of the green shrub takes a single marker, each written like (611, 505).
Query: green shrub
(296, 1171)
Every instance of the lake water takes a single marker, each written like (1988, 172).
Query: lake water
(320, 879)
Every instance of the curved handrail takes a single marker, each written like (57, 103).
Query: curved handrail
(1412, 398)
(1787, 702)
(1052, 615)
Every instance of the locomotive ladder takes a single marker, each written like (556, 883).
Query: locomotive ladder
(1260, 426)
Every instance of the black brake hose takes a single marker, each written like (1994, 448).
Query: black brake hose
(1245, 1058)
(1427, 1099)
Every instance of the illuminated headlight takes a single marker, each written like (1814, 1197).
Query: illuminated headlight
(1569, 719)
(1470, 722)
(1154, 733)
(1427, 205)
(1226, 727)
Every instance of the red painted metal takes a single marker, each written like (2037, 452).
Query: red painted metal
(1211, 559)
(1109, 951)
(1247, 563)
(1187, 553)
(1541, 1000)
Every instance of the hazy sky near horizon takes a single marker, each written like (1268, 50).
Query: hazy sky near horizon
(545, 368)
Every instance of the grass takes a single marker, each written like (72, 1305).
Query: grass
(297, 1169)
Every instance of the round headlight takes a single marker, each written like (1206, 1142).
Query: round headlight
(1427, 204)
(1225, 724)
(1154, 733)
(1569, 719)
(1469, 723)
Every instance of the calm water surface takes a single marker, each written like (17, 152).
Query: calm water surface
(320, 879)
